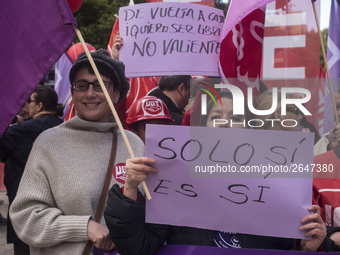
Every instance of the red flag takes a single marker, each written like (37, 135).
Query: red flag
(139, 87)
(71, 112)
(241, 52)
(34, 36)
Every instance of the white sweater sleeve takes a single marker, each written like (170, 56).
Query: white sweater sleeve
(36, 218)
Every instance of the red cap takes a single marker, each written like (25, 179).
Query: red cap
(148, 108)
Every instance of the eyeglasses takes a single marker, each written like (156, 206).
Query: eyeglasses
(84, 85)
(30, 100)
(294, 110)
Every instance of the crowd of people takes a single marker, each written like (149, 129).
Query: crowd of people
(57, 170)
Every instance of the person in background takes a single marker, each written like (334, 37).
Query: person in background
(193, 114)
(326, 182)
(147, 110)
(221, 115)
(330, 140)
(174, 91)
(21, 116)
(64, 177)
(16, 144)
(306, 126)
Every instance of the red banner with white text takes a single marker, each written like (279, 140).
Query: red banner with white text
(291, 52)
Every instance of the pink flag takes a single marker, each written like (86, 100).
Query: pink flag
(241, 44)
(34, 36)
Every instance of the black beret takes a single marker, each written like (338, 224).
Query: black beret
(103, 59)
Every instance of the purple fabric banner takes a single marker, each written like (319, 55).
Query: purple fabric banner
(97, 251)
(208, 250)
(62, 81)
(333, 60)
(205, 250)
(34, 34)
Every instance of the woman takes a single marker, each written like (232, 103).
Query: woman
(64, 177)
(125, 214)
(16, 145)
(221, 115)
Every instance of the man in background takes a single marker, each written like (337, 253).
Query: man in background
(174, 91)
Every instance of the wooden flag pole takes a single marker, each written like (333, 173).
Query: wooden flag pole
(68, 98)
(107, 96)
(326, 65)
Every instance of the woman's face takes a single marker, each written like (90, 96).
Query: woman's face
(92, 105)
(225, 115)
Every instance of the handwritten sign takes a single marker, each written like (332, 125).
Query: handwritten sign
(252, 203)
(170, 38)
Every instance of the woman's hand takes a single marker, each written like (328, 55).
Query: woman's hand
(117, 43)
(316, 228)
(99, 236)
(136, 170)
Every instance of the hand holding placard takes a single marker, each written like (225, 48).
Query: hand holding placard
(277, 202)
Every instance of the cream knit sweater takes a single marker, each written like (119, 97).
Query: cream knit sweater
(62, 185)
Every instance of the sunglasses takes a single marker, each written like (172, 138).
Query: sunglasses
(30, 100)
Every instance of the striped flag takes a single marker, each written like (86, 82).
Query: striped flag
(333, 60)
(62, 81)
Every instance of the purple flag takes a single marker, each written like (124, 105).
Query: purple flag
(207, 250)
(34, 34)
(62, 81)
(333, 60)
(238, 10)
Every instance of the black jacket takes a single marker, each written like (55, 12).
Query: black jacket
(174, 112)
(15, 145)
(125, 219)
